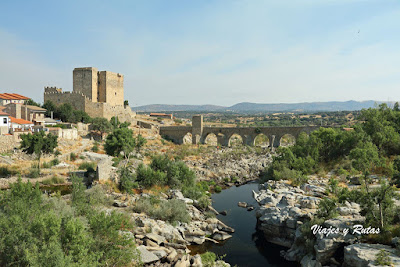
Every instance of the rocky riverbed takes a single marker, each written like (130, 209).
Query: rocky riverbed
(282, 211)
(163, 244)
(223, 164)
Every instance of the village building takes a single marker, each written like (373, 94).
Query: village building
(4, 123)
(7, 98)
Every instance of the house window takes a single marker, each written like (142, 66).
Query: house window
(5, 120)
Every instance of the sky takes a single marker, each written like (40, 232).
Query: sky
(207, 52)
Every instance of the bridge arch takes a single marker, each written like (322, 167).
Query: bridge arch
(210, 139)
(261, 140)
(235, 140)
(287, 139)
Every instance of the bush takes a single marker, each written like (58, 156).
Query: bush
(217, 189)
(73, 156)
(57, 152)
(383, 259)
(86, 165)
(34, 171)
(127, 181)
(327, 208)
(208, 259)
(6, 172)
(172, 210)
(95, 148)
(39, 231)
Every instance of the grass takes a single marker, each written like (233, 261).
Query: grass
(53, 180)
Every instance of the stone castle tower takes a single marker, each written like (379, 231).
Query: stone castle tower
(98, 93)
(99, 86)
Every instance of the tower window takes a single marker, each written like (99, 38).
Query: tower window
(115, 93)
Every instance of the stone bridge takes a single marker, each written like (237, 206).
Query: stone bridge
(224, 134)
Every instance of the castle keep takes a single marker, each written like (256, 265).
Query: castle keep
(98, 93)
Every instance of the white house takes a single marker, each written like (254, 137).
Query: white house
(20, 124)
(4, 123)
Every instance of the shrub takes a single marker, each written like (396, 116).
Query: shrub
(327, 208)
(127, 181)
(95, 148)
(34, 171)
(86, 165)
(208, 259)
(57, 152)
(55, 162)
(217, 189)
(73, 156)
(6, 172)
(383, 259)
(172, 210)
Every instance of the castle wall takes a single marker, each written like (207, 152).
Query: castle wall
(77, 100)
(111, 88)
(85, 80)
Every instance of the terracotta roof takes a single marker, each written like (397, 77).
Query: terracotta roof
(20, 121)
(3, 113)
(9, 96)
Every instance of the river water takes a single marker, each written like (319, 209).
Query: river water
(247, 247)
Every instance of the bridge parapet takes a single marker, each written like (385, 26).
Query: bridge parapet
(224, 134)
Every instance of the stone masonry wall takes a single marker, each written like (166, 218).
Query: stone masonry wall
(7, 142)
(85, 80)
(111, 88)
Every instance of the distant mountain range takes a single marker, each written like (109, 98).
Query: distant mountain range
(256, 107)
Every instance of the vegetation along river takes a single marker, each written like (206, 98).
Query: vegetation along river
(247, 247)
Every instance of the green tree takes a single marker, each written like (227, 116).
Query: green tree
(120, 140)
(50, 107)
(140, 141)
(31, 102)
(364, 158)
(102, 125)
(38, 143)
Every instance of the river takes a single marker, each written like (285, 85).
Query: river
(247, 247)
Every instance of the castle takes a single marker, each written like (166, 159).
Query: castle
(98, 93)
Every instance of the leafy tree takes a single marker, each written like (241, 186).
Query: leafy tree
(120, 140)
(117, 124)
(378, 205)
(31, 102)
(50, 106)
(102, 125)
(365, 157)
(38, 143)
(126, 103)
(140, 141)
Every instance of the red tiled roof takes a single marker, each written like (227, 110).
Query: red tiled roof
(9, 96)
(20, 121)
(3, 113)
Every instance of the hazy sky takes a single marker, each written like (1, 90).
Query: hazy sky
(207, 52)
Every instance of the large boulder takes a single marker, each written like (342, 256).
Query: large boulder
(360, 255)
(147, 256)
